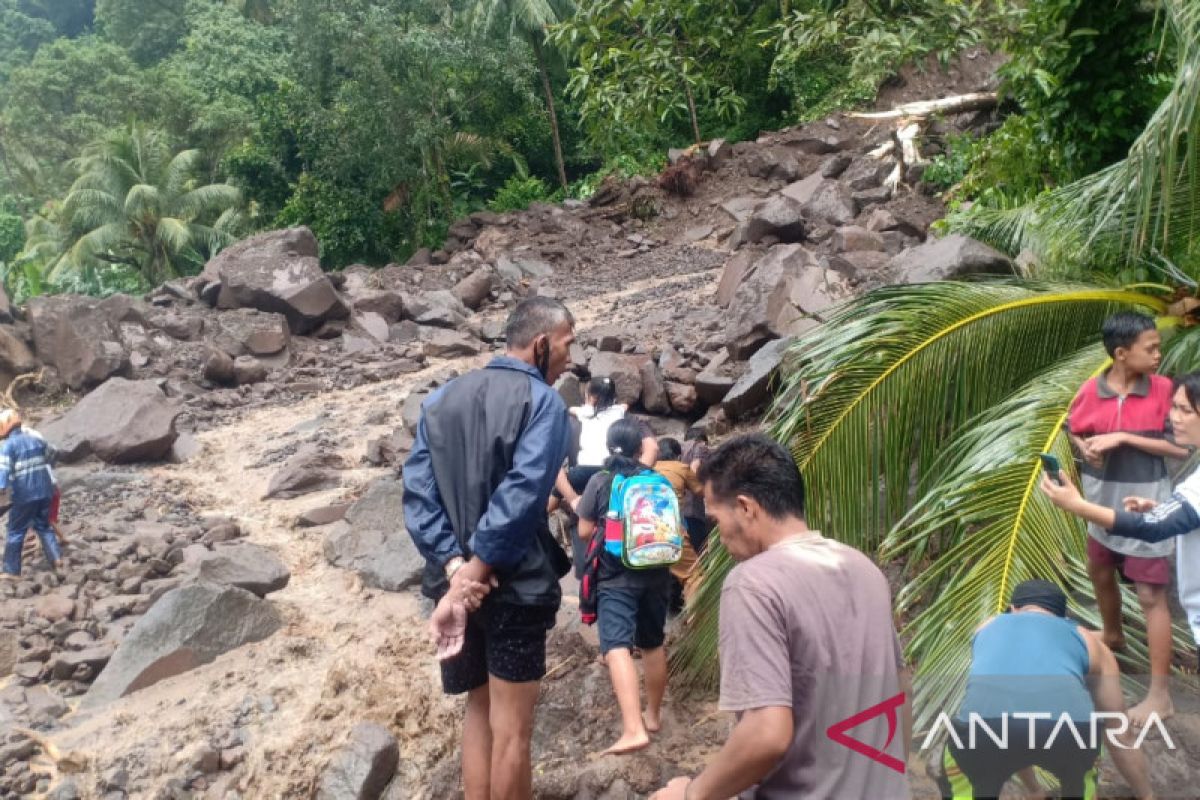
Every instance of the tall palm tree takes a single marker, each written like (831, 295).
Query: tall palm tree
(137, 203)
(528, 19)
(917, 412)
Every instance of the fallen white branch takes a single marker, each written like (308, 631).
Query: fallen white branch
(957, 104)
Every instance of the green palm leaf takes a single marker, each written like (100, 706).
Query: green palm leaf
(983, 514)
(880, 388)
(214, 197)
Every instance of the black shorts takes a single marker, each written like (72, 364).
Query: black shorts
(632, 616)
(981, 772)
(504, 640)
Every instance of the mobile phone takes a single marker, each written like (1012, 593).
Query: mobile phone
(1051, 466)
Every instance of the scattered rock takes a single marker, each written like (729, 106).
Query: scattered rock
(223, 532)
(410, 412)
(852, 237)
(831, 202)
(390, 450)
(219, 368)
(570, 389)
(474, 289)
(955, 256)
(322, 515)
(780, 217)
(682, 397)
(247, 331)
(247, 566)
(362, 768)
(187, 627)
(625, 372)
(15, 357)
(372, 541)
(751, 390)
(76, 336)
(65, 664)
(446, 343)
(654, 391)
(121, 422)
(277, 271)
(248, 370)
(309, 470)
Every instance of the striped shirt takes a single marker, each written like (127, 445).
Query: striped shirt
(23, 467)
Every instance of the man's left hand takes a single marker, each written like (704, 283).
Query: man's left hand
(448, 627)
(676, 789)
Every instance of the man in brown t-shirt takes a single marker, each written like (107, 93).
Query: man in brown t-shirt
(807, 642)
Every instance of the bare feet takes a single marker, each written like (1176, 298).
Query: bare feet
(629, 743)
(1155, 703)
(652, 721)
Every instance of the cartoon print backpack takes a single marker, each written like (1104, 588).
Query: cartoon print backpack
(643, 527)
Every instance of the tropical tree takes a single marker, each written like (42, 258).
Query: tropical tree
(639, 64)
(529, 20)
(917, 412)
(138, 204)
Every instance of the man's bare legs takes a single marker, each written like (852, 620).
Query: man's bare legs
(623, 673)
(477, 746)
(1108, 599)
(1153, 599)
(654, 662)
(511, 716)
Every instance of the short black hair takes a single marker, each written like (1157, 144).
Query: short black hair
(758, 467)
(669, 449)
(532, 318)
(1123, 329)
(1190, 383)
(695, 434)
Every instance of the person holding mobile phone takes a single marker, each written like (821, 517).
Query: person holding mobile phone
(1118, 425)
(1149, 520)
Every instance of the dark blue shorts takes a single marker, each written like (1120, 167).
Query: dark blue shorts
(632, 616)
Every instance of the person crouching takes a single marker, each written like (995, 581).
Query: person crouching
(25, 473)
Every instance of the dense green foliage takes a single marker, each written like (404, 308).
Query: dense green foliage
(377, 123)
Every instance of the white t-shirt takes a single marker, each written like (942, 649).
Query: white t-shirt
(593, 438)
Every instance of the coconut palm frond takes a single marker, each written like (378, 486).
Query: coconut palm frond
(871, 398)
(215, 197)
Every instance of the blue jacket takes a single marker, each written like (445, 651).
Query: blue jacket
(488, 448)
(24, 467)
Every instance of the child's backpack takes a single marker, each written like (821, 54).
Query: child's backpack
(643, 527)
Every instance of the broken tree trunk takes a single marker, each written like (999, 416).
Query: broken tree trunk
(957, 104)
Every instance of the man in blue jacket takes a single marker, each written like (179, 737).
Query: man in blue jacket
(488, 448)
(25, 473)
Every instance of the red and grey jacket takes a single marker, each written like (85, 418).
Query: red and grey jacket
(487, 450)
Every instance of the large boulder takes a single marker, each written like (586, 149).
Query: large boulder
(187, 627)
(831, 202)
(247, 331)
(277, 271)
(751, 390)
(79, 338)
(625, 371)
(736, 268)
(780, 217)
(362, 768)
(15, 357)
(446, 343)
(956, 256)
(247, 566)
(121, 422)
(373, 542)
(760, 310)
(474, 289)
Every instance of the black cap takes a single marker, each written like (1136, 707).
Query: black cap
(1042, 594)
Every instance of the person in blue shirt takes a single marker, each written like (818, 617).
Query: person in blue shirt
(25, 474)
(487, 450)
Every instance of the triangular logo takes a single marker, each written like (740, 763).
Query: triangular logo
(837, 732)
